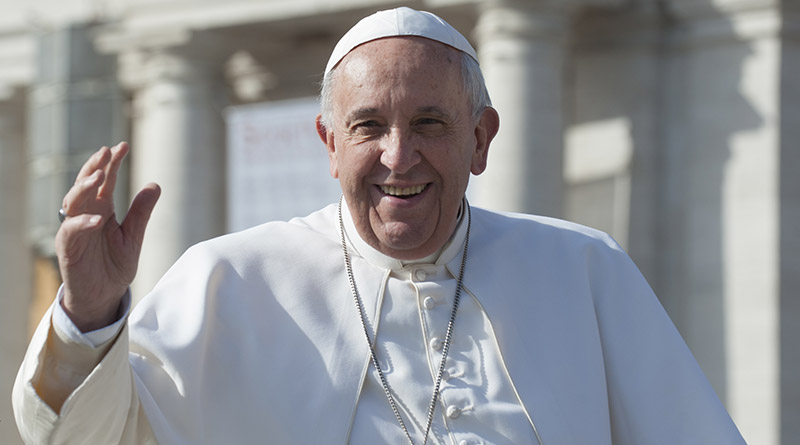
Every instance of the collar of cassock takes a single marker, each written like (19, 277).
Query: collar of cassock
(451, 250)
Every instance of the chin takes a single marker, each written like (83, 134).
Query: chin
(408, 248)
(401, 245)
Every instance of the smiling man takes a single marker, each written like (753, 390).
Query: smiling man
(403, 140)
(400, 314)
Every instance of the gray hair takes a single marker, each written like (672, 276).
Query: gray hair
(474, 88)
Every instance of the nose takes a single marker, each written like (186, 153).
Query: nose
(398, 153)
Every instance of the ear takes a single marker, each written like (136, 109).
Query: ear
(327, 139)
(485, 131)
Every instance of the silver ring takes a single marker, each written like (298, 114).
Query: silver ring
(62, 214)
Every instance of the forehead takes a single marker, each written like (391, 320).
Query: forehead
(406, 46)
(401, 67)
(404, 53)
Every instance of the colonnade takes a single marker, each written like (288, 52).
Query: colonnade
(696, 97)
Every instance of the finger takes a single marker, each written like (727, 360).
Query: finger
(84, 192)
(139, 214)
(118, 153)
(98, 160)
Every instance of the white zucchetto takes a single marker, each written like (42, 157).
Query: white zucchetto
(401, 21)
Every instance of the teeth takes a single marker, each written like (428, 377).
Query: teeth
(402, 191)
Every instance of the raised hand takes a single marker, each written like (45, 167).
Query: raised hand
(98, 256)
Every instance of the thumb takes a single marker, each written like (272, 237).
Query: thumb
(139, 214)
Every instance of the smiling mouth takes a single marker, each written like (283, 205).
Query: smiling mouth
(403, 192)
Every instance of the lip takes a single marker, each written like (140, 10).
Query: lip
(402, 201)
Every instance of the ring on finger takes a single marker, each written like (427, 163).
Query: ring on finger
(62, 214)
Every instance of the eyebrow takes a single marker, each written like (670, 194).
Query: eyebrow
(433, 110)
(360, 113)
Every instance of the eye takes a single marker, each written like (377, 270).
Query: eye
(429, 121)
(365, 127)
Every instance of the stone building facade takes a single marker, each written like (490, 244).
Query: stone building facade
(671, 124)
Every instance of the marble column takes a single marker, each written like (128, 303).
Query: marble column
(789, 232)
(521, 48)
(611, 148)
(721, 203)
(178, 142)
(15, 254)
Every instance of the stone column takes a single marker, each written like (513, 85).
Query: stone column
(611, 148)
(178, 142)
(789, 244)
(521, 48)
(721, 224)
(15, 254)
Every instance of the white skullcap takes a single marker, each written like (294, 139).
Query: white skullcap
(402, 21)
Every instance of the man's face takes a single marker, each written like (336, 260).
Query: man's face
(403, 142)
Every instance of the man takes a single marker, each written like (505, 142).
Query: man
(400, 315)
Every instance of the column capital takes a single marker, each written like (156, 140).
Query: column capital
(501, 19)
(180, 55)
(532, 19)
(634, 28)
(186, 62)
(248, 77)
(690, 10)
(555, 4)
(724, 21)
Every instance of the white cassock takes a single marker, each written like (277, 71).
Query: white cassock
(254, 338)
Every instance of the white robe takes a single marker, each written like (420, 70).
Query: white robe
(251, 338)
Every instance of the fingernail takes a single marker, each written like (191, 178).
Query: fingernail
(95, 220)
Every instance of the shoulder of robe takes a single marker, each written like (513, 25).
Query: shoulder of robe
(548, 234)
(279, 238)
(273, 258)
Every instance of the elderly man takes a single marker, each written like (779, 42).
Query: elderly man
(399, 315)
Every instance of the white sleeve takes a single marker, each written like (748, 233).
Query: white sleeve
(68, 392)
(94, 339)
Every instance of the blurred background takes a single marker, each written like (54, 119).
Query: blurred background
(674, 125)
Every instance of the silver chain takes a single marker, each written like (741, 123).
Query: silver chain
(447, 338)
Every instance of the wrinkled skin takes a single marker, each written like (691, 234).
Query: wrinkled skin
(98, 256)
(402, 121)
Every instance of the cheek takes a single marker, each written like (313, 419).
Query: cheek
(352, 167)
(452, 162)
(333, 165)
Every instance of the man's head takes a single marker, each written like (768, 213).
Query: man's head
(404, 129)
(405, 21)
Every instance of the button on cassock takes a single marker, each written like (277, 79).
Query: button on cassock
(453, 412)
(436, 343)
(429, 303)
(420, 274)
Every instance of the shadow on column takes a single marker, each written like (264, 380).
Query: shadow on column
(679, 90)
(703, 109)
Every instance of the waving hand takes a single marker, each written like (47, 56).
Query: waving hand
(98, 256)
